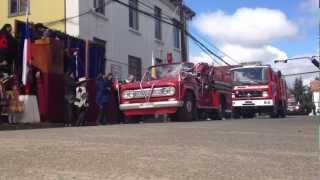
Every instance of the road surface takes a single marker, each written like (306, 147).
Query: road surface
(229, 149)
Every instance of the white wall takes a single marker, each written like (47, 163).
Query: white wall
(72, 10)
(121, 40)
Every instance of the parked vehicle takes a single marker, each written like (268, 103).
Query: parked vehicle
(294, 107)
(258, 89)
(184, 91)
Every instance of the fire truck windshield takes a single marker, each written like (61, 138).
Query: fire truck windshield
(252, 75)
(167, 71)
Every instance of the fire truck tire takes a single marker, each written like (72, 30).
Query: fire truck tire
(283, 112)
(188, 111)
(275, 112)
(249, 115)
(132, 119)
(236, 114)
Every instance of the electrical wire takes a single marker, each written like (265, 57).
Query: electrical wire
(304, 73)
(219, 50)
(166, 21)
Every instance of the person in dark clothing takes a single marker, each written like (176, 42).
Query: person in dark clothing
(70, 59)
(8, 49)
(103, 88)
(31, 87)
(69, 97)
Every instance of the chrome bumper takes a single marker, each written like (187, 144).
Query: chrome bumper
(246, 103)
(151, 105)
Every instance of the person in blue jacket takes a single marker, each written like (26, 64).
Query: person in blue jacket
(103, 93)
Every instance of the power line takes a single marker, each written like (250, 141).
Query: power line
(205, 47)
(198, 43)
(219, 50)
(304, 73)
(211, 44)
(172, 24)
(79, 15)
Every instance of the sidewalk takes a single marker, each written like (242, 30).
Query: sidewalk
(6, 126)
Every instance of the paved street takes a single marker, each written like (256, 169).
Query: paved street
(230, 149)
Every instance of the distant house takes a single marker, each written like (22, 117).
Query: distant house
(129, 36)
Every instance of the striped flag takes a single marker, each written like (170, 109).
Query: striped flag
(26, 54)
(153, 69)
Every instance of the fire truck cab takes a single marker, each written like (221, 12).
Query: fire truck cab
(258, 89)
(184, 91)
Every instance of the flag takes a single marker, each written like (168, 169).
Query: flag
(26, 54)
(153, 69)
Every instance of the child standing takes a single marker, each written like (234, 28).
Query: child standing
(15, 105)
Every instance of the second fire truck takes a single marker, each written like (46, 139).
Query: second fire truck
(258, 89)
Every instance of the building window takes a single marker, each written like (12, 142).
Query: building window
(133, 14)
(99, 6)
(158, 30)
(176, 34)
(116, 71)
(17, 7)
(135, 67)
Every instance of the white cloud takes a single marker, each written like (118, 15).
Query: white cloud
(248, 34)
(203, 57)
(246, 27)
(244, 54)
(249, 54)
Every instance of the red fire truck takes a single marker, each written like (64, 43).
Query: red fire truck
(184, 91)
(258, 89)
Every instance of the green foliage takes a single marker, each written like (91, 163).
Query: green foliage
(303, 95)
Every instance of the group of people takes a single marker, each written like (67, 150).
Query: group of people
(9, 86)
(77, 99)
(76, 95)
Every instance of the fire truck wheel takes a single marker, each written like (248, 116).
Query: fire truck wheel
(132, 119)
(275, 112)
(283, 112)
(249, 115)
(236, 114)
(188, 111)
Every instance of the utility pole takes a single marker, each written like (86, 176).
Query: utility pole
(184, 56)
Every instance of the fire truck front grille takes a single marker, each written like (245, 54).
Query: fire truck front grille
(243, 94)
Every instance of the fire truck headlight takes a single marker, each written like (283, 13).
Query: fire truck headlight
(129, 94)
(265, 94)
(165, 91)
(169, 91)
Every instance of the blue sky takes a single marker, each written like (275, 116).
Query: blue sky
(304, 43)
(300, 17)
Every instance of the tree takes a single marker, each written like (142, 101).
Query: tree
(303, 95)
(298, 90)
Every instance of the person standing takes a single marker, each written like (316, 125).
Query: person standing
(2, 95)
(69, 97)
(15, 105)
(8, 48)
(111, 94)
(102, 98)
(81, 101)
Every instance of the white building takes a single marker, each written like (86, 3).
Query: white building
(130, 37)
